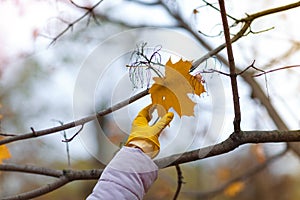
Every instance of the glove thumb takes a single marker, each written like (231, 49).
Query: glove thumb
(164, 121)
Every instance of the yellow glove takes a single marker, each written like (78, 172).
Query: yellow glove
(144, 136)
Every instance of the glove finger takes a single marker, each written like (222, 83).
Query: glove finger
(163, 122)
(145, 112)
(143, 117)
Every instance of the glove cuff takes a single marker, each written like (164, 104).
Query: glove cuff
(147, 146)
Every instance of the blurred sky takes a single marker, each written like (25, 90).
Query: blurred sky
(20, 23)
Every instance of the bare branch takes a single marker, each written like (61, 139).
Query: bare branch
(249, 67)
(228, 145)
(214, 71)
(89, 12)
(31, 170)
(217, 149)
(214, 52)
(234, 87)
(70, 139)
(72, 174)
(271, 11)
(247, 22)
(67, 144)
(257, 92)
(217, 9)
(179, 181)
(261, 31)
(64, 177)
(7, 134)
(77, 122)
(274, 70)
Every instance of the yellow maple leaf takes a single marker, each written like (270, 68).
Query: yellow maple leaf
(4, 152)
(234, 188)
(172, 89)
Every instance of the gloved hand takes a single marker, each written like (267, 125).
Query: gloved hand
(144, 136)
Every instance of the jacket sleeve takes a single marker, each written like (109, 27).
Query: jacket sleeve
(129, 175)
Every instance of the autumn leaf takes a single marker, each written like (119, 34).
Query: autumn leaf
(4, 152)
(234, 188)
(171, 91)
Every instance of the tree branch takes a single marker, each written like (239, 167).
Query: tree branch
(66, 176)
(274, 70)
(89, 11)
(247, 22)
(213, 150)
(228, 145)
(271, 11)
(179, 181)
(234, 86)
(72, 174)
(31, 170)
(257, 91)
(79, 122)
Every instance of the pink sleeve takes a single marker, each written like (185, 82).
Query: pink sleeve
(129, 175)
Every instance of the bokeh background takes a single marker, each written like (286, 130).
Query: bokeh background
(39, 82)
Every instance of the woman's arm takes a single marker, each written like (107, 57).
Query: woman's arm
(128, 176)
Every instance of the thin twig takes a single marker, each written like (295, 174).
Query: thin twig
(274, 70)
(214, 71)
(179, 181)
(247, 23)
(67, 144)
(71, 25)
(70, 139)
(247, 68)
(33, 131)
(261, 31)
(7, 134)
(217, 9)
(271, 11)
